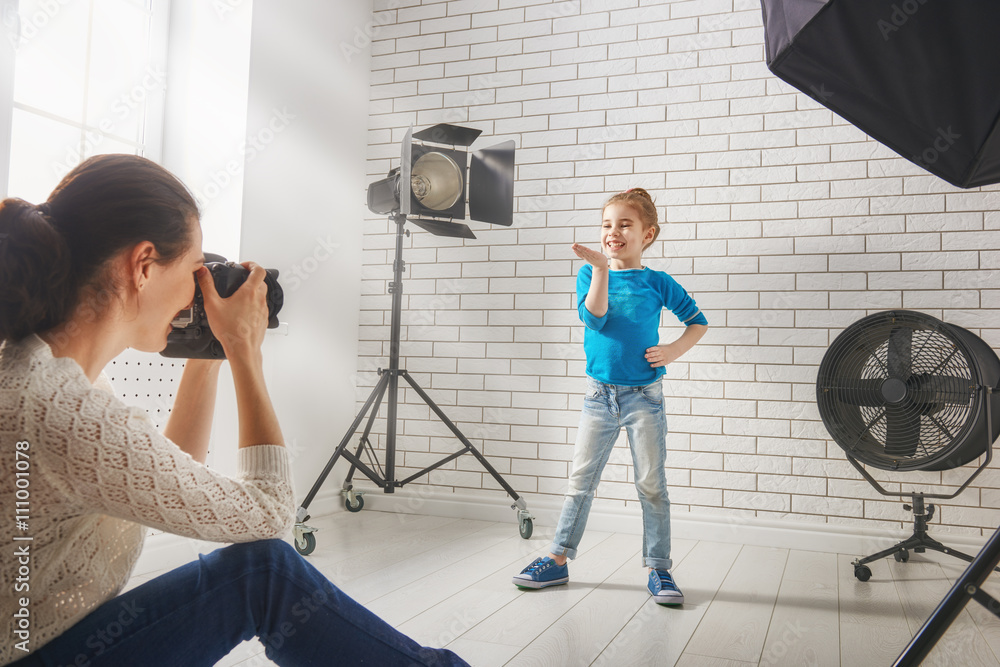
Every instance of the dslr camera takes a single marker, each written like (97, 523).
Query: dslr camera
(191, 336)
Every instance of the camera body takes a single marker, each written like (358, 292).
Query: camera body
(191, 336)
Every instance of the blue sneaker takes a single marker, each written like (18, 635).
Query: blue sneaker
(663, 588)
(542, 572)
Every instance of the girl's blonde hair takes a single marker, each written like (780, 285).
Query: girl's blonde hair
(642, 202)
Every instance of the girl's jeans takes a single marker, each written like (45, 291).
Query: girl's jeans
(606, 409)
(198, 613)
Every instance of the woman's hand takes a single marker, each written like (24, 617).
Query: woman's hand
(592, 257)
(240, 320)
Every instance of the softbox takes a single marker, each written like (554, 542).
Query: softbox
(920, 76)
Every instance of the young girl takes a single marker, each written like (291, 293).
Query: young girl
(620, 301)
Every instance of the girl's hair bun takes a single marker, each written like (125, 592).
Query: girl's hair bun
(36, 289)
(640, 192)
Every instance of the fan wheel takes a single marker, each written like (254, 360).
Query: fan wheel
(898, 390)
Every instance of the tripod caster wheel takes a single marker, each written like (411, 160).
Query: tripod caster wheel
(359, 503)
(525, 528)
(307, 545)
(862, 572)
(901, 556)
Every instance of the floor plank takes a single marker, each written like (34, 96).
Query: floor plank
(531, 612)
(445, 621)
(406, 602)
(657, 635)
(736, 623)
(805, 626)
(460, 540)
(580, 635)
(873, 630)
(922, 585)
(987, 623)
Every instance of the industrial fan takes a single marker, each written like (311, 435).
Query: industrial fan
(901, 390)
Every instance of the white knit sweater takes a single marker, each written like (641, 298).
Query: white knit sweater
(93, 473)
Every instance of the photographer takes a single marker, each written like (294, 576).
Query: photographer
(105, 264)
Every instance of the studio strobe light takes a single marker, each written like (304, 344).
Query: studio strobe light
(437, 183)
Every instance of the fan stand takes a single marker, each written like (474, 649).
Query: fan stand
(920, 541)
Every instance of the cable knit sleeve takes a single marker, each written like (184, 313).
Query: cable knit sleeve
(103, 456)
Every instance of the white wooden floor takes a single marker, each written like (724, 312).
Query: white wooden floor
(446, 582)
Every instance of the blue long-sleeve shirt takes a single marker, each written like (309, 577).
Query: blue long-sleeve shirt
(616, 344)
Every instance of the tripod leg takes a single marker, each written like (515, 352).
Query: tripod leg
(363, 441)
(458, 434)
(375, 396)
(905, 544)
(969, 584)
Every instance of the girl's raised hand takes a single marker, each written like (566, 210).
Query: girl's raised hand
(590, 256)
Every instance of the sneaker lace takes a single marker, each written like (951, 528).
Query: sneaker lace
(534, 567)
(666, 581)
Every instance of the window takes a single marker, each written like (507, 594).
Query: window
(89, 78)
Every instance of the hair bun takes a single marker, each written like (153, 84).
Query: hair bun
(640, 191)
(36, 291)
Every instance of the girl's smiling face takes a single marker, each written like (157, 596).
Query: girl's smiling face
(623, 236)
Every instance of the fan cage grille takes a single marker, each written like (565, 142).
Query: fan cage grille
(934, 354)
(897, 392)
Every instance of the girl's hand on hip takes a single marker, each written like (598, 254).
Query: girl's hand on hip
(661, 355)
(592, 257)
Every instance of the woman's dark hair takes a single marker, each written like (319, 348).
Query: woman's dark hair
(51, 253)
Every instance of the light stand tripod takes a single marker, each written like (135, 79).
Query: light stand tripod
(388, 382)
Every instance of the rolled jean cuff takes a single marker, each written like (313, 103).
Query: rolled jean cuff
(658, 563)
(560, 550)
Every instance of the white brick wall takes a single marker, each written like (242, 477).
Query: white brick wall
(785, 222)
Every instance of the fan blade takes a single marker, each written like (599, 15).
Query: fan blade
(856, 391)
(902, 431)
(900, 352)
(938, 390)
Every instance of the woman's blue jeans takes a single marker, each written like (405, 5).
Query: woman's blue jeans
(195, 615)
(607, 408)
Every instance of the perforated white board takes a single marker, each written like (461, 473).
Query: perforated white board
(148, 381)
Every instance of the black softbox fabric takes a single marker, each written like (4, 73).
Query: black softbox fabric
(920, 76)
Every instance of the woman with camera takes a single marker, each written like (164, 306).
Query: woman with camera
(105, 264)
